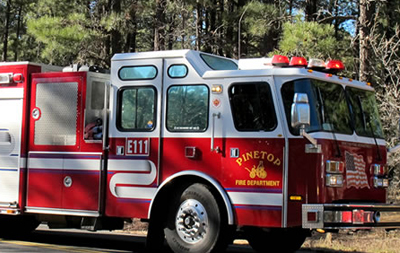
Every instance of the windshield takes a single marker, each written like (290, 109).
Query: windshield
(330, 110)
(365, 112)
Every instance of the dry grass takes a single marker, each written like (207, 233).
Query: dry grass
(376, 241)
(365, 241)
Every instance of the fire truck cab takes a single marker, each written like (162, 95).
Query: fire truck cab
(203, 147)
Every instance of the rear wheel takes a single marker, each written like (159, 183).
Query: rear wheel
(194, 221)
(266, 240)
(17, 225)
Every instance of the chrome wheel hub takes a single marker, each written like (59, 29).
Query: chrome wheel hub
(191, 221)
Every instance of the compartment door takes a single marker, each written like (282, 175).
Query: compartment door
(10, 146)
(54, 157)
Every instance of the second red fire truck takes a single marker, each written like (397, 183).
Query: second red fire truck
(203, 147)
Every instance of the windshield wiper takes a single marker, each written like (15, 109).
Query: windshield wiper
(325, 118)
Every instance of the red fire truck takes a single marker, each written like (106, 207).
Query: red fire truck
(203, 147)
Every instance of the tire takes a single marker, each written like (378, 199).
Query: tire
(194, 221)
(17, 225)
(266, 241)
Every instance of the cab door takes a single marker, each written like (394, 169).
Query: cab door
(134, 163)
(254, 144)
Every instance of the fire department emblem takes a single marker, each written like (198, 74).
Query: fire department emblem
(257, 172)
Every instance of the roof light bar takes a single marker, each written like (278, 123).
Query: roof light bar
(280, 61)
(298, 61)
(334, 65)
(316, 64)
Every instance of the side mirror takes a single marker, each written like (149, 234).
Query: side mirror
(300, 112)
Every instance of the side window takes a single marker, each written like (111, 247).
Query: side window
(137, 109)
(252, 107)
(177, 71)
(52, 128)
(128, 73)
(187, 108)
(94, 110)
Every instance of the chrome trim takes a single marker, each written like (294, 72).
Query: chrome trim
(218, 116)
(224, 195)
(8, 204)
(383, 215)
(43, 210)
(65, 153)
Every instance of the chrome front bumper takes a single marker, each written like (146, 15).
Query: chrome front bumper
(335, 216)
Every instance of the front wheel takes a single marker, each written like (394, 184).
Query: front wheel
(194, 221)
(293, 238)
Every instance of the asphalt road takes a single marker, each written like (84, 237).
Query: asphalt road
(68, 241)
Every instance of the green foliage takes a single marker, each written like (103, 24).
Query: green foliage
(60, 36)
(308, 39)
(261, 18)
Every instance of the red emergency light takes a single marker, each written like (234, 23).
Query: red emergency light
(280, 60)
(296, 61)
(18, 78)
(334, 66)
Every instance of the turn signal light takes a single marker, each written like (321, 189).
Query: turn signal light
(334, 167)
(379, 170)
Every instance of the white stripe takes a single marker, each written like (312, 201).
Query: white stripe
(256, 198)
(135, 192)
(129, 165)
(12, 93)
(81, 164)
(59, 164)
(38, 163)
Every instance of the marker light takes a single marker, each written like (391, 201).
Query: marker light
(18, 78)
(280, 60)
(216, 89)
(334, 167)
(316, 64)
(335, 65)
(298, 61)
(5, 78)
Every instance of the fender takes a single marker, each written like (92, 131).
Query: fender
(227, 201)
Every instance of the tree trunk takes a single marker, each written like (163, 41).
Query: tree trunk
(6, 30)
(16, 45)
(311, 10)
(159, 36)
(367, 8)
(116, 45)
(199, 22)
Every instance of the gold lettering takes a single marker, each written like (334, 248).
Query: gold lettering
(263, 153)
(270, 157)
(272, 183)
(277, 162)
(240, 182)
(239, 161)
(256, 154)
(249, 154)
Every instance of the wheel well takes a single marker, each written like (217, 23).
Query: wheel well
(163, 196)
